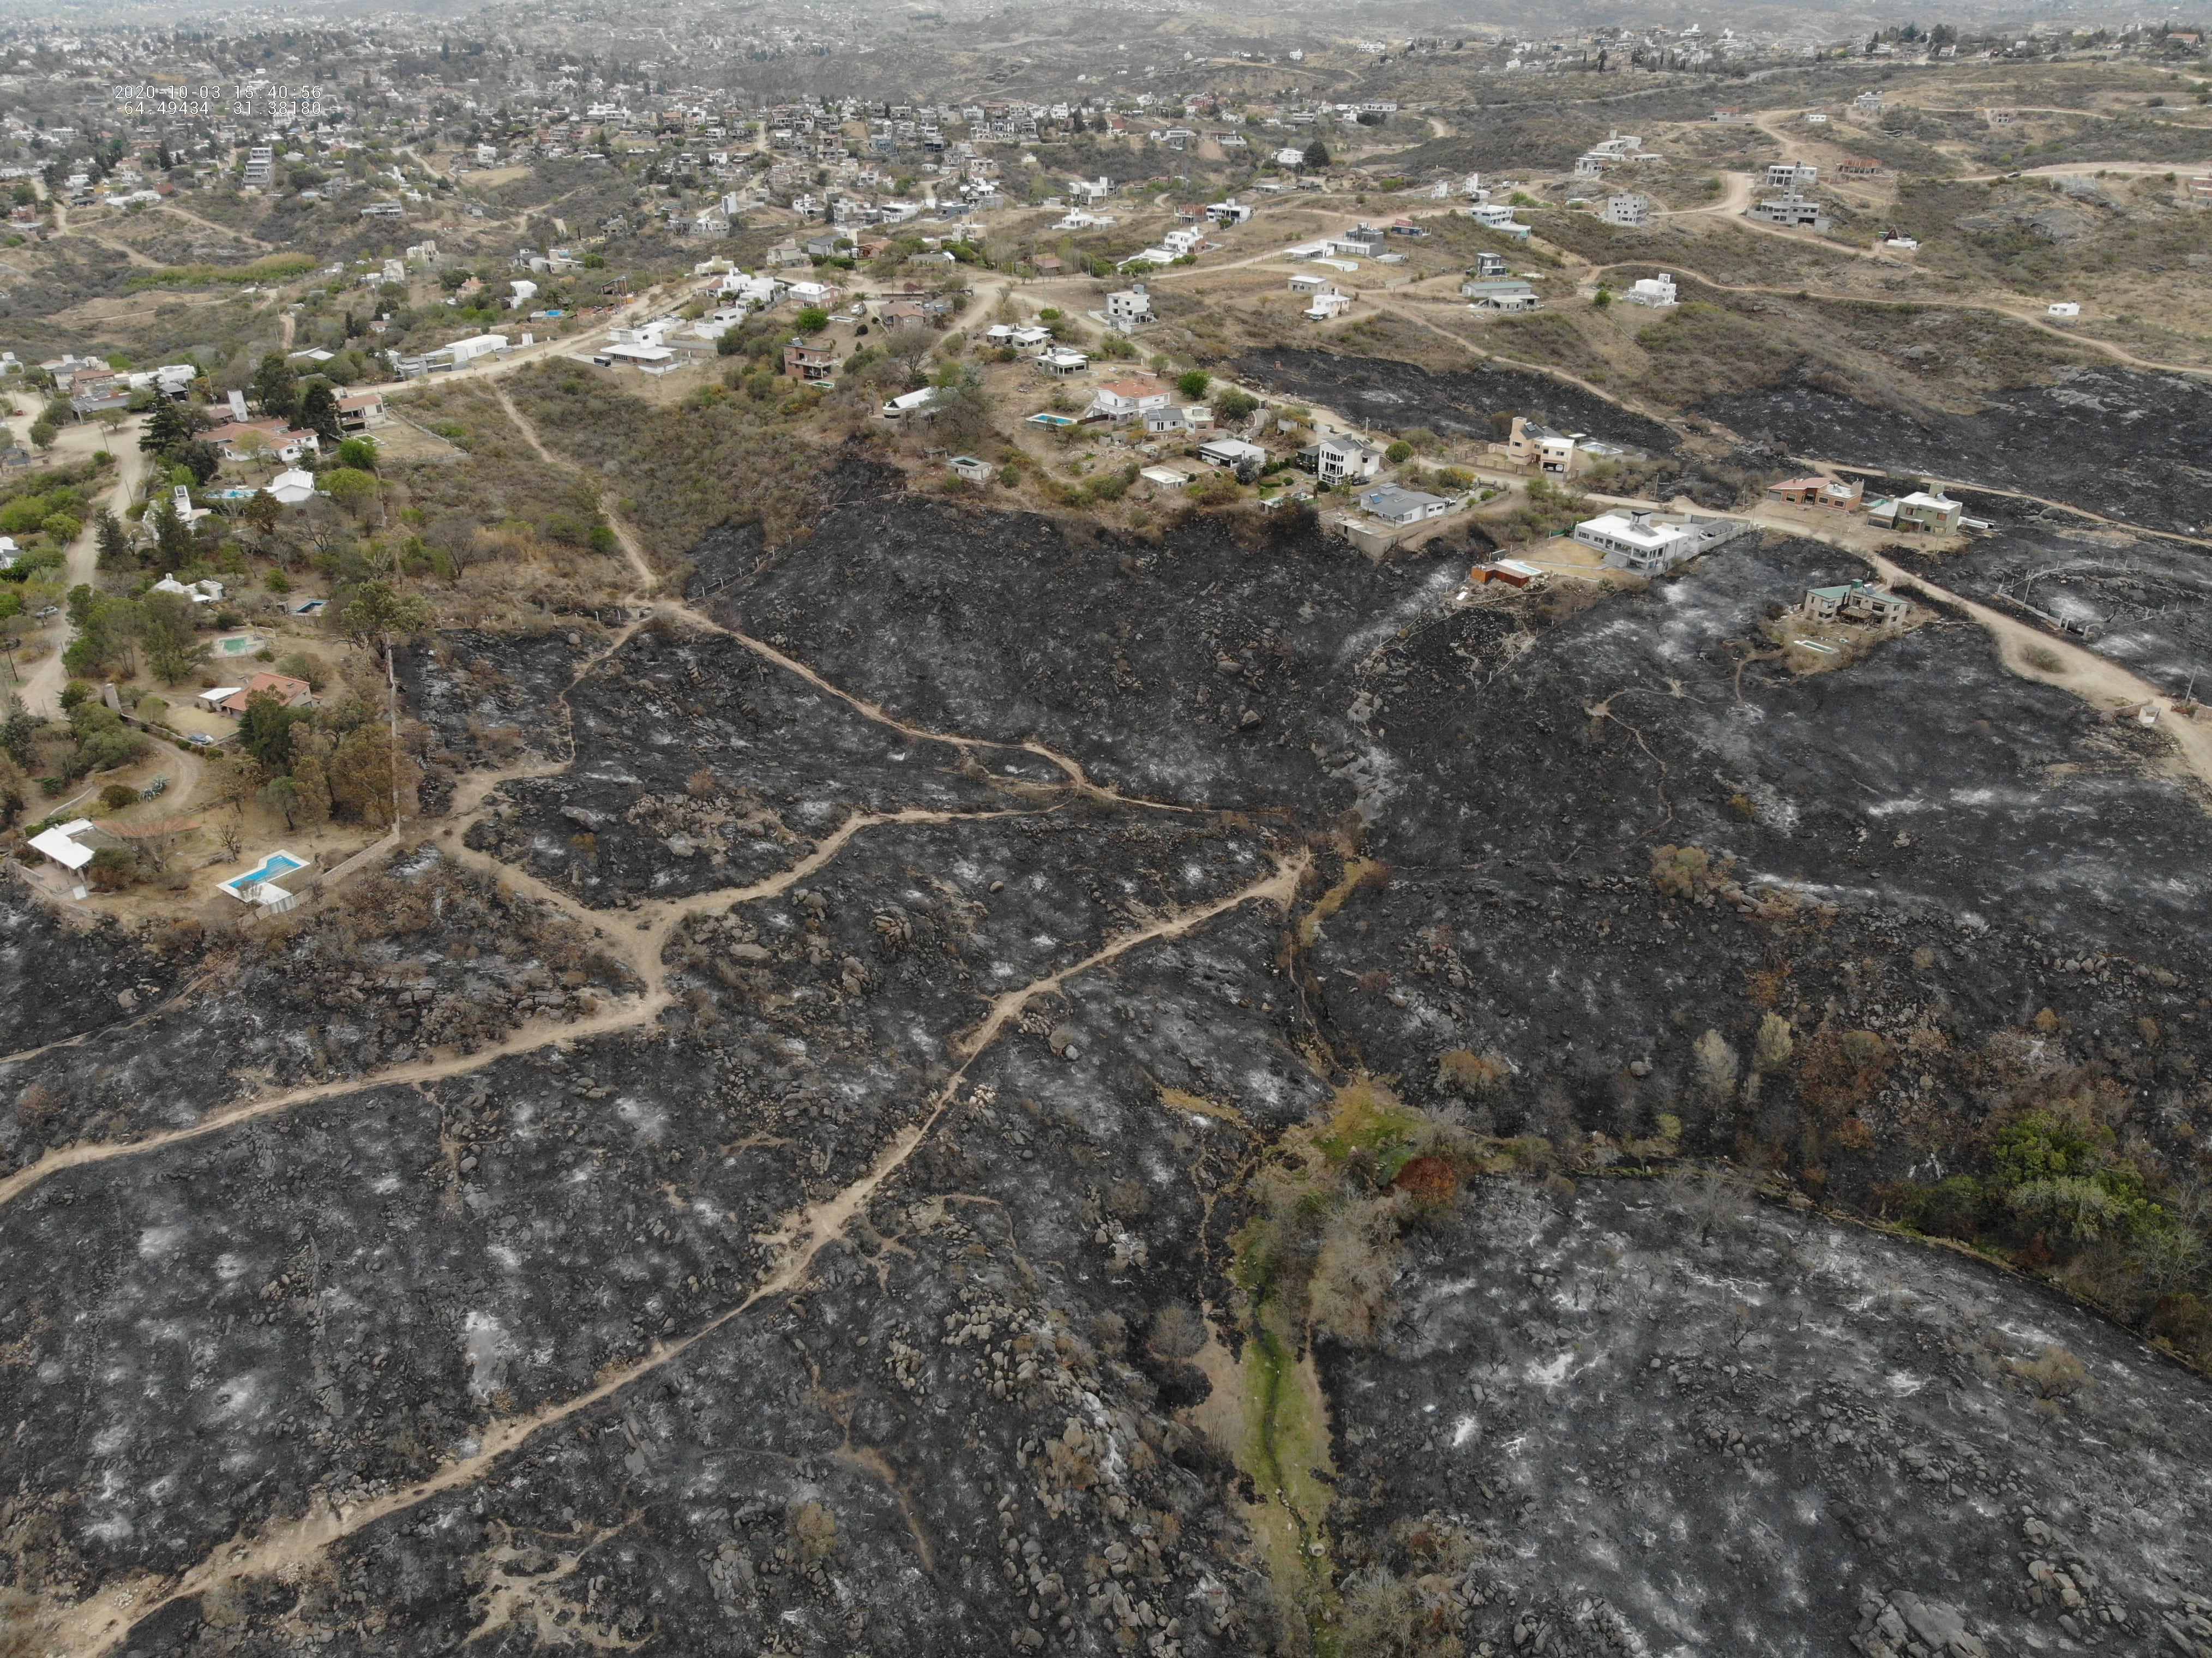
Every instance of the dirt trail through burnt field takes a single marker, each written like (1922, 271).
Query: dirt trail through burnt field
(839, 1282)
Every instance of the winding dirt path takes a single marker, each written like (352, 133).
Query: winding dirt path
(633, 549)
(42, 685)
(2016, 314)
(1072, 769)
(97, 1625)
(639, 946)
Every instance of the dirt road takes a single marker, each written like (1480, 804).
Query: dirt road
(42, 685)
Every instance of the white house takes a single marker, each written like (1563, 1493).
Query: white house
(1129, 306)
(2063, 310)
(1340, 460)
(1791, 175)
(468, 350)
(209, 591)
(1498, 217)
(61, 845)
(521, 293)
(1647, 543)
(1063, 360)
(1658, 291)
(1630, 208)
(289, 488)
(1307, 282)
(916, 404)
(1231, 212)
(1130, 399)
(1328, 305)
(1232, 452)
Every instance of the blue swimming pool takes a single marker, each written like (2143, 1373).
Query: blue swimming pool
(275, 864)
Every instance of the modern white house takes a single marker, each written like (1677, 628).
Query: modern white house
(1126, 308)
(1340, 460)
(1647, 543)
(1130, 399)
(1658, 291)
(1232, 452)
(1629, 209)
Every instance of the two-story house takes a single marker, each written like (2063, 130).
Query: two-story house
(1340, 460)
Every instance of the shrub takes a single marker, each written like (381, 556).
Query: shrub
(112, 869)
(1717, 1065)
(1463, 1070)
(1398, 452)
(116, 796)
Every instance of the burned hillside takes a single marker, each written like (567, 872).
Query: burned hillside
(2124, 443)
(984, 1081)
(1398, 396)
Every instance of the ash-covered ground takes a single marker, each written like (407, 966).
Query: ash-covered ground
(2122, 443)
(986, 1087)
(1397, 395)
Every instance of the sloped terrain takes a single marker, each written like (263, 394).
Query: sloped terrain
(2123, 444)
(1394, 396)
(1177, 1095)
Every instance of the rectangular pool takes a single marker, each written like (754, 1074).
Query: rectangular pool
(275, 864)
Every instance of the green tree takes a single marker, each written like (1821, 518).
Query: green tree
(1193, 383)
(114, 540)
(1235, 404)
(19, 734)
(813, 320)
(319, 413)
(174, 546)
(282, 795)
(173, 650)
(261, 513)
(275, 387)
(361, 775)
(359, 453)
(312, 781)
(264, 730)
(168, 427)
(354, 490)
(1316, 154)
(103, 741)
(378, 608)
(43, 432)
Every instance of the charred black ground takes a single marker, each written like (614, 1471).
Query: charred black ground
(1341, 1173)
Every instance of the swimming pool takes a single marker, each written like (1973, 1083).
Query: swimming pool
(238, 645)
(275, 864)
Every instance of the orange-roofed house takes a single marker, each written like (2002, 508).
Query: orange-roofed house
(293, 693)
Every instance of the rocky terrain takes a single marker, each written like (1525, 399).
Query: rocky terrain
(980, 1084)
